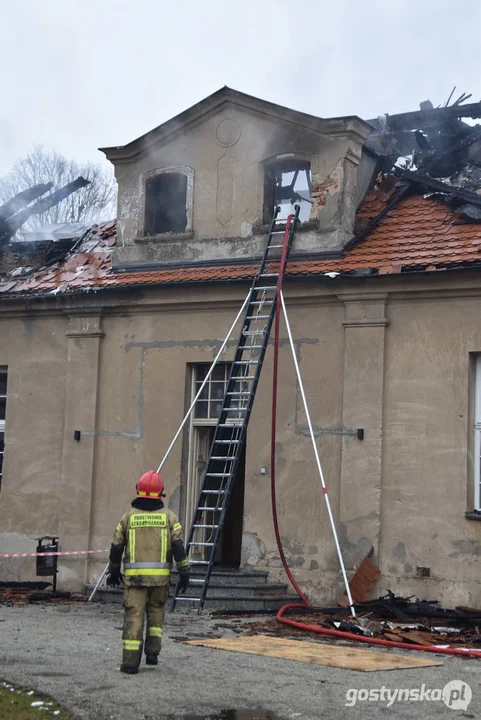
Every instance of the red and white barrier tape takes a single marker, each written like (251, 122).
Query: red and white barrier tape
(66, 552)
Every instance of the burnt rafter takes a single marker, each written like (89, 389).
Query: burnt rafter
(450, 190)
(22, 199)
(16, 211)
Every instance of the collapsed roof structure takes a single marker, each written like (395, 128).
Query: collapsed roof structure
(19, 209)
(421, 212)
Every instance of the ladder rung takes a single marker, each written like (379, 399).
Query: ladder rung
(227, 442)
(198, 562)
(203, 544)
(250, 347)
(269, 275)
(261, 302)
(278, 232)
(197, 525)
(253, 332)
(257, 317)
(246, 362)
(222, 457)
(182, 598)
(217, 475)
(210, 509)
(270, 247)
(213, 492)
(232, 425)
(244, 392)
(245, 377)
(196, 581)
(265, 287)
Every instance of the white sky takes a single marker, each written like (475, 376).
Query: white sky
(76, 75)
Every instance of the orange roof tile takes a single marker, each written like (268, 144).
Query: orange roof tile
(417, 233)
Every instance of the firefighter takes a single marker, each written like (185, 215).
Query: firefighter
(150, 535)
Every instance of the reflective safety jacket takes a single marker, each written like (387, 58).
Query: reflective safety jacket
(150, 539)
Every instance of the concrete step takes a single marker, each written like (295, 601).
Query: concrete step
(230, 578)
(228, 590)
(241, 602)
(246, 591)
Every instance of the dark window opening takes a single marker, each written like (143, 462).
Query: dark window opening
(287, 183)
(166, 204)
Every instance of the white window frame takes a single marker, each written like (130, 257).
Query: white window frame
(192, 494)
(477, 437)
(208, 420)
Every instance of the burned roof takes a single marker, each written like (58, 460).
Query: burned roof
(32, 201)
(418, 233)
(422, 213)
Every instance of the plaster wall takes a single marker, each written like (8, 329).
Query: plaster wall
(224, 154)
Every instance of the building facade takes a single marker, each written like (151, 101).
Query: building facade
(102, 353)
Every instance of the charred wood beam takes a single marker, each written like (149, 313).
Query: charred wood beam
(456, 147)
(23, 198)
(16, 222)
(419, 120)
(441, 187)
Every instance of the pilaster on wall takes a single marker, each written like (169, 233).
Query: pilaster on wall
(83, 338)
(360, 498)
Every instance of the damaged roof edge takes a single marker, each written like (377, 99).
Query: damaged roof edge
(325, 277)
(414, 119)
(442, 187)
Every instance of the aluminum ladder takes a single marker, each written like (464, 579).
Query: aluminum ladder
(230, 433)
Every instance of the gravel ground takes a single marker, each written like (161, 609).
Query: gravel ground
(72, 652)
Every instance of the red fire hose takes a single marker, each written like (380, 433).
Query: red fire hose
(308, 627)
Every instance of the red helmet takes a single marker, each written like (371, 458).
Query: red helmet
(150, 485)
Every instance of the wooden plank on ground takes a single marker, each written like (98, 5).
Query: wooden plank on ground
(318, 654)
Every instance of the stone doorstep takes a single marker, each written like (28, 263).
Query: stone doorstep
(229, 590)
(214, 591)
(253, 604)
(246, 591)
(221, 602)
(230, 578)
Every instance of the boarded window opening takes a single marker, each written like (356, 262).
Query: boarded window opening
(287, 183)
(166, 204)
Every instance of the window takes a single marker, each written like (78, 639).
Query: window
(287, 183)
(3, 406)
(477, 438)
(202, 427)
(208, 407)
(166, 203)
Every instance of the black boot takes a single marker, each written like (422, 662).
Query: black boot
(151, 660)
(129, 669)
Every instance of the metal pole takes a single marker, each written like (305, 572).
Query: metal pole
(216, 359)
(101, 577)
(319, 467)
(214, 363)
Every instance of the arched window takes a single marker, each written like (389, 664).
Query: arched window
(287, 182)
(168, 201)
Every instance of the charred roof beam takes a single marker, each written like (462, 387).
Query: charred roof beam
(438, 186)
(23, 198)
(9, 227)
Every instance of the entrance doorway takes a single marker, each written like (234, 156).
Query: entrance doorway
(202, 428)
